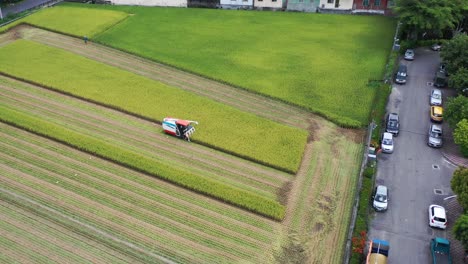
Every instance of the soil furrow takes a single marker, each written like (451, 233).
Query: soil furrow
(257, 104)
(71, 164)
(225, 160)
(93, 209)
(32, 245)
(132, 141)
(137, 200)
(100, 168)
(17, 255)
(46, 237)
(99, 251)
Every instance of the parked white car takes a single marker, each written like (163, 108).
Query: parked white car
(436, 47)
(380, 198)
(387, 143)
(437, 216)
(436, 97)
(409, 54)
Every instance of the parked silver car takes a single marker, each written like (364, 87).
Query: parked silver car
(436, 97)
(435, 136)
(387, 142)
(409, 54)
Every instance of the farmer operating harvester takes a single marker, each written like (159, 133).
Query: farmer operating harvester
(180, 128)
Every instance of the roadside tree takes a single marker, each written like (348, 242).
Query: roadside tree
(455, 53)
(459, 81)
(460, 136)
(429, 16)
(459, 184)
(455, 110)
(460, 230)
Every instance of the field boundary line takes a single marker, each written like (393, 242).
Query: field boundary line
(348, 241)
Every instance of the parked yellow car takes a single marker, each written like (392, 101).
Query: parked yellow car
(437, 113)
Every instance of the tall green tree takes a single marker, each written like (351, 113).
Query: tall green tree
(459, 185)
(455, 53)
(434, 16)
(459, 81)
(460, 136)
(460, 230)
(455, 110)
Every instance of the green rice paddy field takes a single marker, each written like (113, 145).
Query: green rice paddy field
(317, 61)
(320, 62)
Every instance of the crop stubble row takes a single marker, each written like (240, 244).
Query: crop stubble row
(142, 185)
(36, 158)
(51, 232)
(126, 198)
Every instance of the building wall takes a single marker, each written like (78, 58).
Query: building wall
(268, 3)
(176, 3)
(303, 5)
(236, 3)
(370, 4)
(343, 4)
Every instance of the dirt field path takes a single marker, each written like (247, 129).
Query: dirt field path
(238, 98)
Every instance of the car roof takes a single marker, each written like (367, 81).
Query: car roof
(436, 91)
(387, 135)
(402, 67)
(393, 115)
(439, 211)
(381, 189)
(436, 127)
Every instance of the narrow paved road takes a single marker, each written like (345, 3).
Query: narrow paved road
(414, 170)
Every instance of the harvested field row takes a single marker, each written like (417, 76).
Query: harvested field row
(50, 239)
(325, 194)
(238, 98)
(119, 205)
(140, 136)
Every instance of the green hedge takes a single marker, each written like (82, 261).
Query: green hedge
(198, 183)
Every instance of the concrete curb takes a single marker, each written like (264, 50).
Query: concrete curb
(456, 160)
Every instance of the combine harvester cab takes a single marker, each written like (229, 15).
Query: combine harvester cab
(180, 128)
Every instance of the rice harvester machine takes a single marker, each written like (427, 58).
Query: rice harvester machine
(180, 128)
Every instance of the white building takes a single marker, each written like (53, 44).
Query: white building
(339, 5)
(276, 4)
(235, 4)
(175, 3)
